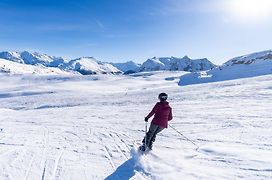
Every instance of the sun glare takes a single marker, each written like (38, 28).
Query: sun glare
(250, 10)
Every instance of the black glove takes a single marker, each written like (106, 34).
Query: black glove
(146, 119)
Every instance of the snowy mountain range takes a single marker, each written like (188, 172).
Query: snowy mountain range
(255, 64)
(11, 67)
(89, 65)
(84, 65)
(202, 70)
(176, 64)
(33, 58)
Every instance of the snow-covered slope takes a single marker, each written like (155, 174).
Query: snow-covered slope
(251, 65)
(127, 67)
(176, 64)
(89, 127)
(35, 58)
(250, 58)
(89, 65)
(11, 67)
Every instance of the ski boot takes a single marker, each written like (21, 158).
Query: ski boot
(142, 148)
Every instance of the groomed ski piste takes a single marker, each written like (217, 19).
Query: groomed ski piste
(89, 127)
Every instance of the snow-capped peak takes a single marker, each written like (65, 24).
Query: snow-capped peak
(185, 58)
(12, 56)
(174, 64)
(43, 59)
(35, 58)
(250, 58)
(89, 65)
(127, 67)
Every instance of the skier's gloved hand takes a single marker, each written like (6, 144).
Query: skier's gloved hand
(146, 119)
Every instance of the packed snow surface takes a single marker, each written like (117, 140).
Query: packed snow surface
(89, 127)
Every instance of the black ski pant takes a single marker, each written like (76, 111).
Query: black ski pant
(151, 134)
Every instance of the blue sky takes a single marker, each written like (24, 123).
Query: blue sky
(121, 30)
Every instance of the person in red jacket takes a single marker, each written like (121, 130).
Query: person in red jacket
(162, 114)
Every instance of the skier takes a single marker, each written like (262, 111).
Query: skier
(163, 114)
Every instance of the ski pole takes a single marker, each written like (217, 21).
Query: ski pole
(184, 136)
(145, 133)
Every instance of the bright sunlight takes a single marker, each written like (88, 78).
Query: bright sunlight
(250, 10)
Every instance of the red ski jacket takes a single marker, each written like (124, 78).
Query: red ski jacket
(163, 114)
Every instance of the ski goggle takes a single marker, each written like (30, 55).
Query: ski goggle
(162, 97)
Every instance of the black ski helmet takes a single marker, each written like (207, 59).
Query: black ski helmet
(163, 96)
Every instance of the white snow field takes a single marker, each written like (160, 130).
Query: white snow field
(88, 127)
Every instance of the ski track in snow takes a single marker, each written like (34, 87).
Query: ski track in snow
(90, 127)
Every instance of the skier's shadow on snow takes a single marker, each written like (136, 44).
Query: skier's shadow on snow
(126, 170)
